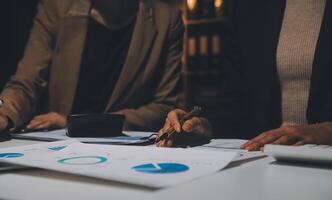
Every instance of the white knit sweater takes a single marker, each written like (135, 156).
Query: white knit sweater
(295, 56)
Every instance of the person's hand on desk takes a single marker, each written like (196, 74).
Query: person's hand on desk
(197, 126)
(46, 121)
(293, 135)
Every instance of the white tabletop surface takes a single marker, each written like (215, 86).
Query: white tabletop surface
(258, 179)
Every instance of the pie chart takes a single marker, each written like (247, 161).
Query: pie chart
(161, 168)
(11, 155)
(83, 160)
(58, 148)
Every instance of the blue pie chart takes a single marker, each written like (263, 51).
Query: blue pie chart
(11, 155)
(161, 168)
(83, 160)
(58, 148)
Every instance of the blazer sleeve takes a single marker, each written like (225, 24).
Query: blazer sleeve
(150, 117)
(21, 94)
(231, 97)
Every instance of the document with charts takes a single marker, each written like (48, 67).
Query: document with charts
(35, 150)
(146, 166)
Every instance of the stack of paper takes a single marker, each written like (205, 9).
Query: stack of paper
(147, 166)
(129, 137)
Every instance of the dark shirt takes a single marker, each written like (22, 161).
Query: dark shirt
(103, 57)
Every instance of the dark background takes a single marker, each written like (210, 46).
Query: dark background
(16, 20)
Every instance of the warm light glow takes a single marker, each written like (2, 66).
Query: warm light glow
(218, 3)
(192, 4)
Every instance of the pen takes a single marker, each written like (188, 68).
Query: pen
(170, 131)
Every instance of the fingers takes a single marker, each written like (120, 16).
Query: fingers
(35, 123)
(165, 143)
(195, 125)
(47, 121)
(167, 125)
(39, 124)
(258, 138)
(299, 143)
(285, 135)
(162, 131)
(190, 125)
(245, 145)
(45, 125)
(173, 119)
(286, 140)
(38, 121)
(265, 138)
(254, 146)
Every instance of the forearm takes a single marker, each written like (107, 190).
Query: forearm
(22, 92)
(19, 106)
(146, 118)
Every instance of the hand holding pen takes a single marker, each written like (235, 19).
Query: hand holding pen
(180, 121)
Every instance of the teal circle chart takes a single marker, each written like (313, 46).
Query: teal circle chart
(83, 160)
(161, 168)
(57, 148)
(11, 155)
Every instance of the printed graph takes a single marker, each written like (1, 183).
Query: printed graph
(57, 148)
(83, 160)
(161, 168)
(11, 155)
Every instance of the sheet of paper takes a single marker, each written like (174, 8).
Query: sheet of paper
(226, 143)
(28, 151)
(43, 148)
(231, 145)
(146, 166)
(44, 135)
(130, 137)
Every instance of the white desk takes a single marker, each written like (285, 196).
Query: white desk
(259, 179)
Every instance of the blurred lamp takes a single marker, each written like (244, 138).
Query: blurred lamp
(192, 4)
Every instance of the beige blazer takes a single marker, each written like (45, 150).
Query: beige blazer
(147, 88)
